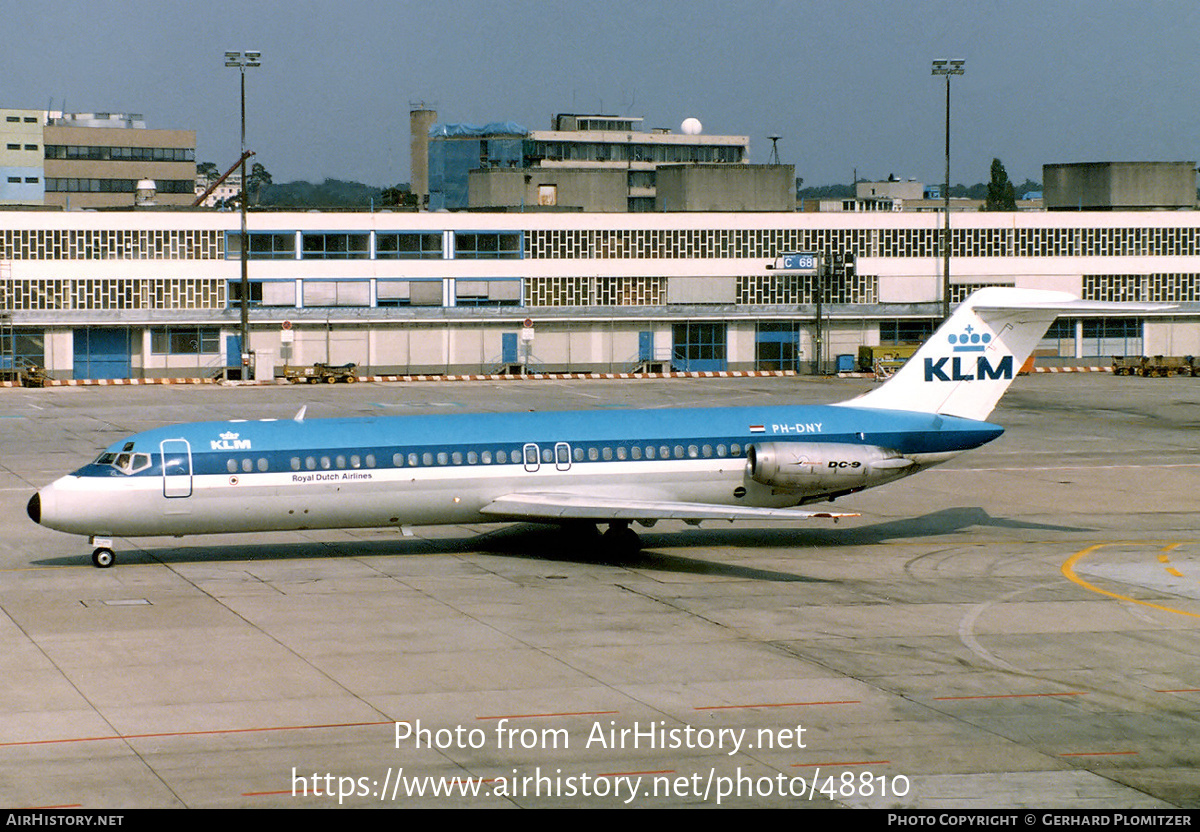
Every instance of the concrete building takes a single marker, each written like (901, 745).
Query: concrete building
(725, 188)
(1119, 186)
(22, 178)
(152, 294)
(560, 162)
(95, 160)
(227, 190)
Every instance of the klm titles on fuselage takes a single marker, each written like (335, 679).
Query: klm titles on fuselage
(936, 369)
(230, 442)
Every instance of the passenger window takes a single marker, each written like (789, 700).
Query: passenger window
(456, 457)
(593, 454)
(295, 463)
(398, 460)
(501, 457)
(486, 456)
(326, 463)
(472, 458)
(310, 462)
(262, 463)
(247, 465)
(636, 452)
(693, 452)
(412, 460)
(355, 461)
(442, 458)
(370, 460)
(231, 466)
(622, 453)
(340, 461)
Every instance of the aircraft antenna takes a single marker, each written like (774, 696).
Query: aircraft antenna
(299, 417)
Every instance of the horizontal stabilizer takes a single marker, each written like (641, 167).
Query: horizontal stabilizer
(555, 507)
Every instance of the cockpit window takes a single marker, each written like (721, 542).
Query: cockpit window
(125, 462)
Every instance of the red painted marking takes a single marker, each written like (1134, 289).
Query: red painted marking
(843, 763)
(539, 716)
(777, 705)
(1008, 696)
(197, 733)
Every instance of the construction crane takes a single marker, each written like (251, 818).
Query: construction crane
(217, 184)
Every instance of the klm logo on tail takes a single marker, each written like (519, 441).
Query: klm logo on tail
(963, 370)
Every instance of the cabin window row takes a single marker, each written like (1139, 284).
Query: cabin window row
(529, 454)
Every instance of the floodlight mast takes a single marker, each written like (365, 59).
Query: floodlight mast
(251, 58)
(947, 67)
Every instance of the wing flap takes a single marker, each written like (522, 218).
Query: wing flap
(553, 507)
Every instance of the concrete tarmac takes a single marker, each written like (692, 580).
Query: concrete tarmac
(1015, 629)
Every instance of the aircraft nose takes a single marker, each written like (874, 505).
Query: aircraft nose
(34, 508)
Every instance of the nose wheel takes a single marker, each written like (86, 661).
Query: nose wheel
(102, 556)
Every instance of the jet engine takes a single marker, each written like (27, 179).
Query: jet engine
(817, 468)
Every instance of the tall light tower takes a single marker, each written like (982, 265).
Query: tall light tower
(241, 61)
(947, 67)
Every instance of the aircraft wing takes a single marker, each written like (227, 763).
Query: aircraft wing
(548, 506)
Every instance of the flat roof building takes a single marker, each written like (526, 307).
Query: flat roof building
(22, 178)
(577, 150)
(153, 294)
(95, 160)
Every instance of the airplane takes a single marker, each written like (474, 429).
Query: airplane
(576, 469)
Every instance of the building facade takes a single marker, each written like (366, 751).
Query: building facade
(95, 160)
(572, 166)
(148, 294)
(22, 178)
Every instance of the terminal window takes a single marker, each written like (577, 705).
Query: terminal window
(185, 340)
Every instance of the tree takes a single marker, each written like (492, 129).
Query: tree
(258, 180)
(399, 196)
(1000, 193)
(208, 170)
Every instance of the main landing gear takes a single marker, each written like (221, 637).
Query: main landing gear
(103, 555)
(621, 540)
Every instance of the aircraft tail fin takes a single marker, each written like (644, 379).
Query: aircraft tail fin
(966, 366)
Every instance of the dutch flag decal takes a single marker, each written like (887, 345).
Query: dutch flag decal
(758, 429)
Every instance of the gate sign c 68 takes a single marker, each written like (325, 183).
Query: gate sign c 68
(799, 262)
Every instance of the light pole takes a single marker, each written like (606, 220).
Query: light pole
(947, 68)
(241, 61)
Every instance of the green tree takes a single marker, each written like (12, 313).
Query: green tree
(208, 170)
(258, 180)
(1000, 193)
(398, 196)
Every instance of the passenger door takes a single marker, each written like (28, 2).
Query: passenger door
(176, 467)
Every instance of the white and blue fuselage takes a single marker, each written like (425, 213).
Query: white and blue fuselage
(247, 476)
(614, 467)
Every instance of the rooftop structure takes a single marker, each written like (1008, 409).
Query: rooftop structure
(583, 154)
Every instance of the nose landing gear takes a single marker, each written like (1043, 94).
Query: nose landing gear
(103, 555)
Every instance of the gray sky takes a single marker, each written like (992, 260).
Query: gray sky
(847, 84)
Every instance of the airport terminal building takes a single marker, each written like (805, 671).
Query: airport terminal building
(155, 293)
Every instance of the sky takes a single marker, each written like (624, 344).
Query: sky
(846, 84)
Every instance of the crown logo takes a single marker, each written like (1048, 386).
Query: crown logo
(229, 435)
(970, 340)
